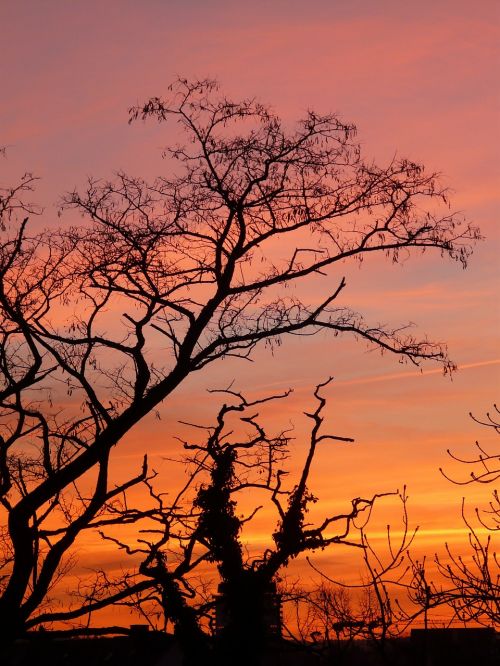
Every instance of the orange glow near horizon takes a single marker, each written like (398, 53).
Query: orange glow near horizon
(419, 80)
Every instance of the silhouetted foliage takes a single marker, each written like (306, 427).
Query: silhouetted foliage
(208, 529)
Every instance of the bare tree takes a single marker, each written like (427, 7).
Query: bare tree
(474, 593)
(336, 613)
(207, 528)
(468, 583)
(101, 322)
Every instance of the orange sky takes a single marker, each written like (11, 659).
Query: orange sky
(416, 78)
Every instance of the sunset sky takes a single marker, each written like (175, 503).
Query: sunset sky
(418, 79)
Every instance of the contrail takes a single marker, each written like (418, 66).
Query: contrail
(401, 375)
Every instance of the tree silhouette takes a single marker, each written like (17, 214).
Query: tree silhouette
(102, 321)
(335, 613)
(475, 584)
(205, 526)
(468, 583)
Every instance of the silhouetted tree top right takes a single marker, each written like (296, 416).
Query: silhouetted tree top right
(160, 279)
(254, 207)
